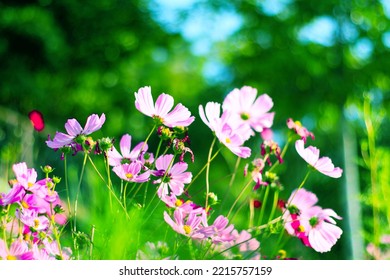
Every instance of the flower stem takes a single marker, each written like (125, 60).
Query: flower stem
(78, 191)
(207, 173)
(238, 197)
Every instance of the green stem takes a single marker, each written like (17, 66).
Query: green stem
(78, 192)
(274, 205)
(208, 173)
(373, 162)
(67, 186)
(264, 203)
(109, 189)
(203, 168)
(239, 196)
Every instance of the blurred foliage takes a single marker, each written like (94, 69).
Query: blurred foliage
(74, 58)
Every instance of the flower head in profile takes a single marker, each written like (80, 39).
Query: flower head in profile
(299, 129)
(246, 109)
(161, 110)
(229, 133)
(76, 133)
(312, 156)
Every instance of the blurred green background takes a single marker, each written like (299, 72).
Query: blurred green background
(318, 60)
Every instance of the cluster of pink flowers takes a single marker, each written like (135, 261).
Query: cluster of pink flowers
(32, 215)
(242, 115)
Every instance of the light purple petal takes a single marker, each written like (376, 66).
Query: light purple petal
(60, 140)
(94, 123)
(73, 127)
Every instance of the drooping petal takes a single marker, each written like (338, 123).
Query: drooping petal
(60, 140)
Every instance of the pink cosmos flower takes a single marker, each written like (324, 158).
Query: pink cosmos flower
(312, 156)
(17, 251)
(228, 133)
(187, 224)
(298, 202)
(32, 219)
(16, 194)
(172, 176)
(243, 246)
(299, 129)
(161, 110)
(24, 176)
(320, 228)
(127, 155)
(131, 172)
(219, 231)
(74, 129)
(246, 109)
(314, 226)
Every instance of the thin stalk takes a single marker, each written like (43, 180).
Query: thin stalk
(208, 173)
(373, 162)
(78, 192)
(238, 197)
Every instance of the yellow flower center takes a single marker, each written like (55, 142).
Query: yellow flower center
(36, 223)
(25, 204)
(129, 175)
(228, 141)
(301, 228)
(187, 229)
(298, 123)
(29, 184)
(178, 203)
(11, 258)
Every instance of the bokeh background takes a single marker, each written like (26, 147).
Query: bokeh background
(325, 63)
